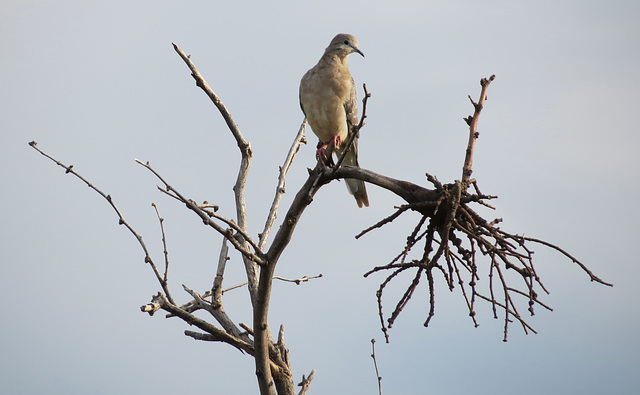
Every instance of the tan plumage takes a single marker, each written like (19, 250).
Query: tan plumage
(328, 100)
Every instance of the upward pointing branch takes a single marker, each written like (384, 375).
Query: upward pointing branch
(243, 172)
(472, 121)
(202, 84)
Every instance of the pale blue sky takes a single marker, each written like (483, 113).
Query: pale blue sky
(98, 84)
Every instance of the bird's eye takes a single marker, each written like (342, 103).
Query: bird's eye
(346, 42)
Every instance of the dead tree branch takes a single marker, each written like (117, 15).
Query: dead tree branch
(472, 121)
(164, 244)
(240, 240)
(216, 289)
(459, 233)
(273, 211)
(306, 382)
(243, 172)
(121, 221)
(375, 365)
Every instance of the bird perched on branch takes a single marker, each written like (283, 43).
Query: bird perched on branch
(328, 100)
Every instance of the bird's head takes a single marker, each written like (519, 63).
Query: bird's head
(344, 45)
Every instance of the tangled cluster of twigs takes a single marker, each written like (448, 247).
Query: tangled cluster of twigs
(453, 234)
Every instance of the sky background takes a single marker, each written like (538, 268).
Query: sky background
(98, 84)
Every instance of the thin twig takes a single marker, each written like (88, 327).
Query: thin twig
(164, 243)
(384, 221)
(375, 364)
(202, 84)
(206, 218)
(574, 260)
(297, 281)
(121, 221)
(280, 188)
(354, 131)
(472, 121)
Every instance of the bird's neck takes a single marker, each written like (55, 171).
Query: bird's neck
(334, 58)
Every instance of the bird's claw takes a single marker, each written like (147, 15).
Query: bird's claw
(325, 150)
(323, 156)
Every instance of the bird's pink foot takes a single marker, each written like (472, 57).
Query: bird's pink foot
(321, 153)
(325, 150)
(336, 142)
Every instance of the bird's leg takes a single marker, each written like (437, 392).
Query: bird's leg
(325, 152)
(336, 142)
(321, 153)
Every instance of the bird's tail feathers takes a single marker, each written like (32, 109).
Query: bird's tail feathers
(354, 186)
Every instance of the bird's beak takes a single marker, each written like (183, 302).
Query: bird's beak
(358, 51)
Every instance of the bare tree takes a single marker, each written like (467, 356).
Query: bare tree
(450, 238)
